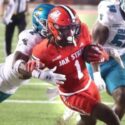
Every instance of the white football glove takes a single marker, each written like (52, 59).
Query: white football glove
(49, 76)
(114, 53)
(99, 81)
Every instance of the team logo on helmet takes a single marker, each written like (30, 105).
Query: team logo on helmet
(40, 9)
(64, 24)
(39, 18)
(55, 15)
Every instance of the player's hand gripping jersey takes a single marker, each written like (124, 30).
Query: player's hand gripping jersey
(110, 16)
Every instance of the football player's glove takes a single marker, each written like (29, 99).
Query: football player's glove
(49, 76)
(95, 53)
(114, 53)
(99, 81)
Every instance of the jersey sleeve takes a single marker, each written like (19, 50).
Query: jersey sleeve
(37, 52)
(106, 10)
(27, 40)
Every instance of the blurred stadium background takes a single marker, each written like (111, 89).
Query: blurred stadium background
(30, 105)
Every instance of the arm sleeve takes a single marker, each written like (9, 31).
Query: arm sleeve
(37, 52)
(27, 40)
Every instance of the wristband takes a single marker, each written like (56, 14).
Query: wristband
(36, 73)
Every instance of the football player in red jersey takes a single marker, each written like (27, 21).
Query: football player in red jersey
(66, 49)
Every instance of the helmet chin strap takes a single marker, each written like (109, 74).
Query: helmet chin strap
(71, 38)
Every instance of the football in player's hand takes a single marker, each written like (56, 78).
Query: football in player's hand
(95, 53)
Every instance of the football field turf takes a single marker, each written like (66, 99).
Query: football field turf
(30, 105)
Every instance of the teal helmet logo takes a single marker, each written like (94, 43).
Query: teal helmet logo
(40, 9)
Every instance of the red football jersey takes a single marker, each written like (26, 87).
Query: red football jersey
(68, 59)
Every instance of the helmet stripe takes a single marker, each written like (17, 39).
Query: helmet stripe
(69, 11)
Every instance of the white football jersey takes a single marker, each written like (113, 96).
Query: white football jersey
(9, 78)
(109, 15)
(27, 40)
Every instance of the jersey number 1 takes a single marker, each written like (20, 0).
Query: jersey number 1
(78, 68)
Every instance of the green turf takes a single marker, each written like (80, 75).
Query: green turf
(36, 113)
(89, 19)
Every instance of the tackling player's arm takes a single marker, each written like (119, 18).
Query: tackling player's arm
(19, 63)
(19, 55)
(34, 68)
(100, 33)
(25, 66)
(26, 42)
(93, 52)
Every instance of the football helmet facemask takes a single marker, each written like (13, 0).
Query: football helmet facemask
(64, 25)
(39, 18)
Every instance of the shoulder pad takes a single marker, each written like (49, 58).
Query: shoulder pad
(28, 33)
(107, 12)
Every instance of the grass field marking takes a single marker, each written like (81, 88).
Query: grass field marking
(38, 84)
(41, 102)
(32, 102)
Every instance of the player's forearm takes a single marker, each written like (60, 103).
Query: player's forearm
(19, 55)
(22, 70)
(20, 67)
(19, 62)
(100, 33)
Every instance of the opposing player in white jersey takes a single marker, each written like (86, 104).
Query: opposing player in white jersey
(15, 71)
(109, 31)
